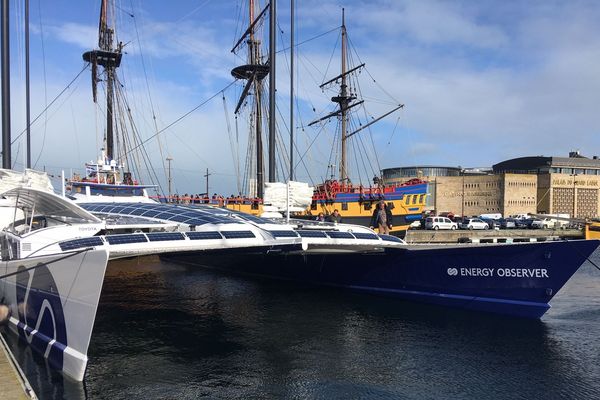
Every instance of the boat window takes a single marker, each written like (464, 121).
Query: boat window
(414, 199)
(344, 206)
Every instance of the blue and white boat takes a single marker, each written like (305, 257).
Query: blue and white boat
(513, 279)
(517, 279)
(51, 293)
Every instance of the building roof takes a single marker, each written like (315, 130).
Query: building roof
(575, 160)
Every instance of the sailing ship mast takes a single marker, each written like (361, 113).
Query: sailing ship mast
(345, 100)
(254, 72)
(6, 156)
(109, 58)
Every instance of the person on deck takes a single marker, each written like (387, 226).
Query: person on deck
(336, 217)
(320, 217)
(382, 218)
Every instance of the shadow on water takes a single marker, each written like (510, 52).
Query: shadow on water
(168, 331)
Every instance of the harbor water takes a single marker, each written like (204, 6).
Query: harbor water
(166, 331)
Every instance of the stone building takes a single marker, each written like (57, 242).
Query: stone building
(566, 185)
(506, 194)
(538, 184)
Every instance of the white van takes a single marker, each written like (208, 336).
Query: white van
(491, 216)
(440, 223)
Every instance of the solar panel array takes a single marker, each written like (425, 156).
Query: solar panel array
(369, 236)
(169, 212)
(390, 238)
(81, 243)
(203, 235)
(312, 234)
(339, 235)
(164, 236)
(126, 239)
(237, 234)
(284, 234)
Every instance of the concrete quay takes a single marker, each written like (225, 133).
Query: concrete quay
(491, 236)
(13, 384)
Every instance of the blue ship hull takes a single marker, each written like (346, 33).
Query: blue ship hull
(517, 279)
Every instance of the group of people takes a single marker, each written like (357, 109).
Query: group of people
(215, 199)
(381, 219)
(336, 217)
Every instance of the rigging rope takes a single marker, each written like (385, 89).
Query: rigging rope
(184, 116)
(50, 104)
(45, 83)
(233, 145)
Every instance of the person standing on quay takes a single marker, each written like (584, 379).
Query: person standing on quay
(382, 218)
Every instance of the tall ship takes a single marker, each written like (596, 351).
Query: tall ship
(110, 175)
(355, 202)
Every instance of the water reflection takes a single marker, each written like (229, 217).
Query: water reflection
(168, 331)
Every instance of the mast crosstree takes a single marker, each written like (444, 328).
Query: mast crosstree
(253, 73)
(346, 101)
(109, 57)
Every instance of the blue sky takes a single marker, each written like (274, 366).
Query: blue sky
(481, 82)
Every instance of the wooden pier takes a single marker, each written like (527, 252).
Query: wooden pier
(13, 384)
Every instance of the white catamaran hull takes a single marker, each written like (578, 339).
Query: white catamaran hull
(53, 302)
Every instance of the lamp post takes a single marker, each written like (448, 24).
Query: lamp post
(206, 176)
(574, 175)
(462, 197)
(169, 159)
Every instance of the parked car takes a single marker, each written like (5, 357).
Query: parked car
(521, 223)
(440, 223)
(492, 223)
(534, 223)
(508, 223)
(415, 225)
(474, 223)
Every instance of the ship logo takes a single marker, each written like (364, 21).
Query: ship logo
(452, 271)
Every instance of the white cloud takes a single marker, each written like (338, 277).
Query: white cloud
(481, 82)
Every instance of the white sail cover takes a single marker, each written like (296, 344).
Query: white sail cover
(300, 195)
(30, 178)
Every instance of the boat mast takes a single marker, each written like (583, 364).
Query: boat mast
(253, 72)
(27, 89)
(343, 100)
(272, 58)
(254, 59)
(6, 158)
(292, 90)
(108, 57)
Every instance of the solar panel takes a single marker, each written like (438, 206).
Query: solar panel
(137, 211)
(370, 236)
(125, 239)
(203, 235)
(340, 235)
(164, 236)
(81, 243)
(178, 213)
(390, 238)
(237, 234)
(150, 213)
(312, 234)
(118, 209)
(283, 234)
